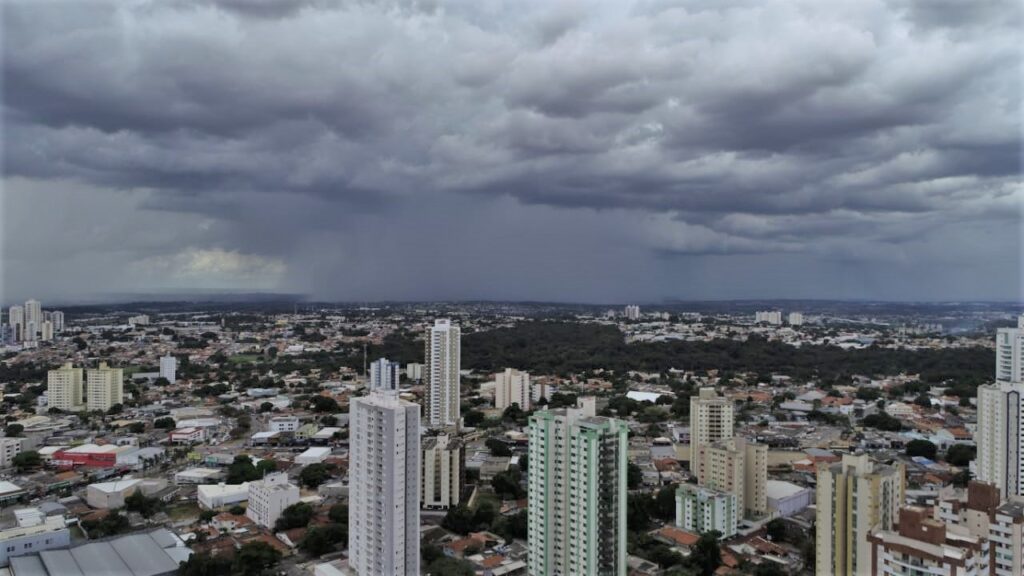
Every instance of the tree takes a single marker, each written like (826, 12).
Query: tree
(165, 423)
(322, 539)
(634, 476)
(960, 454)
(13, 430)
(338, 514)
(484, 514)
(255, 558)
(514, 526)
(921, 448)
(706, 556)
(266, 407)
(473, 418)
(204, 564)
(446, 566)
(237, 510)
(777, 530)
(207, 515)
(139, 502)
(25, 460)
(459, 520)
(112, 524)
(323, 404)
(295, 516)
(638, 515)
(664, 507)
(137, 427)
(497, 447)
(506, 484)
(314, 475)
(241, 470)
(115, 409)
(924, 401)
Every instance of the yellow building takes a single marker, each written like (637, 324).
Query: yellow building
(711, 420)
(104, 387)
(739, 467)
(64, 388)
(855, 496)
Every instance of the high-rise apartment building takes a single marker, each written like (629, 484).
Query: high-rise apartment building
(269, 497)
(33, 318)
(443, 468)
(46, 331)
(1000, 431)
(739, 467)
(443, 361)
(577, 494)
(16, 318)
(632, 312)
(512, 387)
(384, 375)
(924, 546)
(57, 317)
(795, 319)
(414, 371)
(384, 485)
(854, 497)
(999, 436)
(104, 387)
(1010, 353)
(773, 317)
(701, 510)
(711, 420)
(982, 514)
(169, 368)
(64, 388)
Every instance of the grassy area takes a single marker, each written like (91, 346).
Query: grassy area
(183, 512)
(76, 533)
(243, 358)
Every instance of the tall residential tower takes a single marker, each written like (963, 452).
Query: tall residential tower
(384, 485)
(441, 374)
(577, 494)
(1000, 432)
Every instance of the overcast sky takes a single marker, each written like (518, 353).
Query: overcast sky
(574, 151)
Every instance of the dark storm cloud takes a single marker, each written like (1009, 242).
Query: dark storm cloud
(833, 131)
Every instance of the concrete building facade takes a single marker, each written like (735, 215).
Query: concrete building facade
(64, 388)
(854, 498)
(711, 420)
(269, 497)
(512, 387)
(443, 469)
(700, 510)
(384, 485)
(104, 387)
(443, 359)
(577, 494)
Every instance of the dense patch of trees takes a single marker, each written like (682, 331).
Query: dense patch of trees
(561, 347)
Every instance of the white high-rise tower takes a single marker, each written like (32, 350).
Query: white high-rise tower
(384, 375)
(384, 485)
(58, 321)
(33, 318)
(1000, 433)
(16, 318)
(442, 364)
(512, 387)
(169, 368)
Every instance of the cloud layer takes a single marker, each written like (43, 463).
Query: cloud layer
(574, 151)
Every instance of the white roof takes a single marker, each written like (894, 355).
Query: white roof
(315, 452)
(781, 489)
(326, 433)
(6, 487)
(222, 489)
(643, 396)
(266, 434)
(115, 486)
